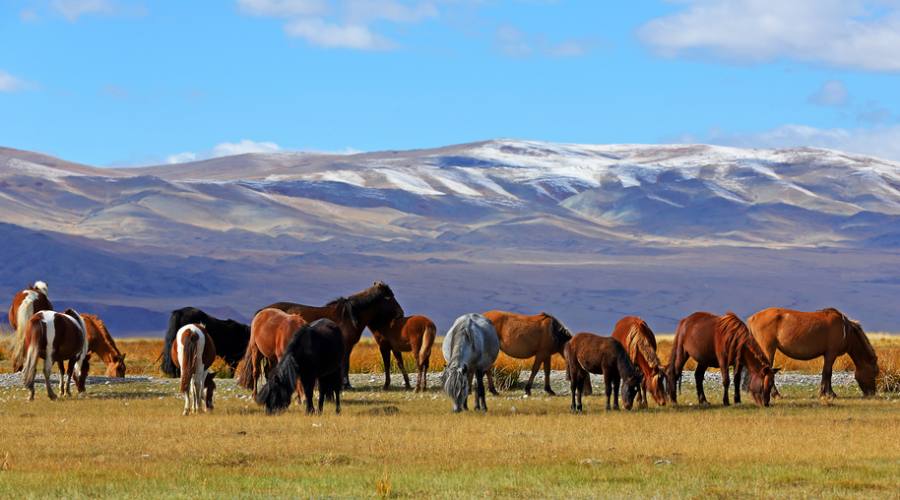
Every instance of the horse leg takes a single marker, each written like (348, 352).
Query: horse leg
(534, 370)
(402, 369)
(699, 372)
(642, 395)
(386, 360)
(617, 384)
(607, 383)
(825, 389)
(574, 388)
(770, 353)
(490, 380)
(738, 366)
(210, 389)
(321, 398)
(62, 377)
(48, 367)
(346, 370)
(726, 379)
(308, 387)
(481, 399)
(337, 401)
(547, 388)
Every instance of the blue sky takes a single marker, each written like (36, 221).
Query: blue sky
(128, 82)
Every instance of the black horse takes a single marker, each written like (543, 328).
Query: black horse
(231, 338)
(314, 354)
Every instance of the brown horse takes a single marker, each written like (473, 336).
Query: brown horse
(374, 305)
(270, 333)
(587, 353)
(408, 334)
(101, 343)
(195, 352)
(640, 344)
(720, 342)
(522, 337)
(56, 337)
(24, 305)
(807, 335)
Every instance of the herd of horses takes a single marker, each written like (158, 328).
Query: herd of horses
(299, 348)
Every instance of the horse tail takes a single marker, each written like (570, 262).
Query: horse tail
(167, 364)
(245, 374)
(427, 342)
(38, 331)
(279, 389)
(23, 315)
(188, 359)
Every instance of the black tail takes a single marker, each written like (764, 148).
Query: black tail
(279, 390)
(167, 365)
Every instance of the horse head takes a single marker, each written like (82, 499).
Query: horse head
(631, 386)
(116, 368)
(657, 385)
(385, 305)
(456, 385)
(863, 355)
(561, 334)
(762, 381)
(40, 286)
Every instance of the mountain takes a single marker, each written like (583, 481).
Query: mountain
(590, 232)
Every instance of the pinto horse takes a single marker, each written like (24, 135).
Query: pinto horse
(522, 336)
(470, 349)
(375, 305)
(270, 333)
(314, 355)
(195, 351)
(408, 334)
(231, 337)
(639, 342)
(101, 343)
(24, 305)
(56, 337)
(720, 342)
(807, 335)
(588, 353)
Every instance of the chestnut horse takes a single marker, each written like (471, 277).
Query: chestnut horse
(315, 355)
(408, 334)
(56, 337)
(807, 335)
(587, 353)
(101, 343)
(639, 342)
(521, 336)
(720, 342)
(270, 333)
(24, 305)
(374, 305)
(195, 351)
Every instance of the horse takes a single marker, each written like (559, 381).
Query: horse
(522, 336)
(101, 343)
(56, 337)
(195, 350)
(230, 336)
(315, 354)
(408, 334)
(470, 348)
(24, 305)
(720, 342)
(639, 342)
(588, 353)
(372, 306)
(807, 335)
(270, 333)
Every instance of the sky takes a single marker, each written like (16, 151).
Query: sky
(131, 82)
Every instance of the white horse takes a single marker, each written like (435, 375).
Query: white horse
(470, 348)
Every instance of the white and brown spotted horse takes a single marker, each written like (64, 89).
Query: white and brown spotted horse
(56, 337)
(24, 305)
(195, 352)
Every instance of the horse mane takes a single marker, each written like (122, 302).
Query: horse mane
(856, 328)
(560, 333)
(738, 338)
(637, 343)
(360, 300)
(104, 333)
(627, 369)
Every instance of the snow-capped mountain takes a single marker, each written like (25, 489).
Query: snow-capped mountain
(496, 202)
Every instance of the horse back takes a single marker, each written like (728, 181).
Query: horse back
(697, 337)
(799, 333)
(593, 353)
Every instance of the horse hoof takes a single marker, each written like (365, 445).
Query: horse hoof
(549, 391)
(494, 392)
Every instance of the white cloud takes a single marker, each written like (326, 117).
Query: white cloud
(181, 157)
(347, 36)
(9, 83)
(882, 142)
(859, 34)
(283, 8)
(832, 93)
(241, 147)
(513, 42)
(72, 10)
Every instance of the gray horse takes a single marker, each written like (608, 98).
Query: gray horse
(470, 348)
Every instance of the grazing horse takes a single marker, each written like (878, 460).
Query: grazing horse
(639, 342)
(408, 334)
(372, 306)
(195, 351)
(315, 354)
(521, 336)
(270, 333)
(470, 348)
(231, 337)
(24, 305)
(101, 343)
(720, 342)
(807, 335)
(588, 353)
(56, 337)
